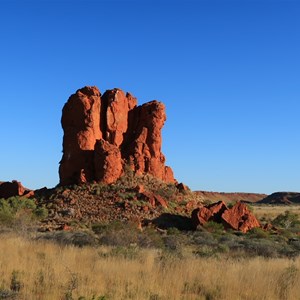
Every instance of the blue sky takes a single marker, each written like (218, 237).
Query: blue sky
(227, 71)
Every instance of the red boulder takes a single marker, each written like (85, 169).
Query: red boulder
(239, 217)
(212, 212)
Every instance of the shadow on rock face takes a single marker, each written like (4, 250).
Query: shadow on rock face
(166, 221)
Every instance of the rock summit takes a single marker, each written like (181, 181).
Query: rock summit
(106, 134)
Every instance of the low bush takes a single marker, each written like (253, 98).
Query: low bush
(260, 247)
(15, 208)
(79, 238)
(120, 234)
(287, 220)
(258, 233)
(214, 227)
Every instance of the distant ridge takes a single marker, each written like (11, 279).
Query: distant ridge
(230, 197)
(281, 198)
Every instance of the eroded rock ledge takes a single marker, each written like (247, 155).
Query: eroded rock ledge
(105, 134)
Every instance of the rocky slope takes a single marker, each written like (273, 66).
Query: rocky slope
(142, 200)
(132, 198)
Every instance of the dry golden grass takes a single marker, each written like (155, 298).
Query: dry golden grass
(270, 212)
(49, 271)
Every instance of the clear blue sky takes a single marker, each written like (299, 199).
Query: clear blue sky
(228, 72)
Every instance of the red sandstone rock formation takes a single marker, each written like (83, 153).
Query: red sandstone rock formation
(239, 217)
(14, 188)
(103, 134)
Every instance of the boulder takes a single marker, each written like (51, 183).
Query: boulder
(240, 218)
(212, 212)
(104, 134)
(14, 188)
(153, 199)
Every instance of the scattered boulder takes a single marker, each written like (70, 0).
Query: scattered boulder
(212, 212)
(153, 199)
(14, 188)
(105, 134)
(239, 217)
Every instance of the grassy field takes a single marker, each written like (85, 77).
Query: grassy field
(116, 260)
(42, 270)
(269, 212)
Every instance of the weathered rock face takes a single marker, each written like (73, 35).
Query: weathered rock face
(81, 124)
(239, 217)
(108, 162)
(144, 152)
(103, 134)
(14, 188)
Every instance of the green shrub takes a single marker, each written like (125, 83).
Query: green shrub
(78, 239)
(14, 208)
(287, 220)
(258, 233)
(7, 294)
(13, 204)
(130, 253)
(260, 247)
(167, 191)
(203, 238)
(126, 195)
(41, 212)
(15, 282)
(205, 251)
(175, 241)
(214, 227)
